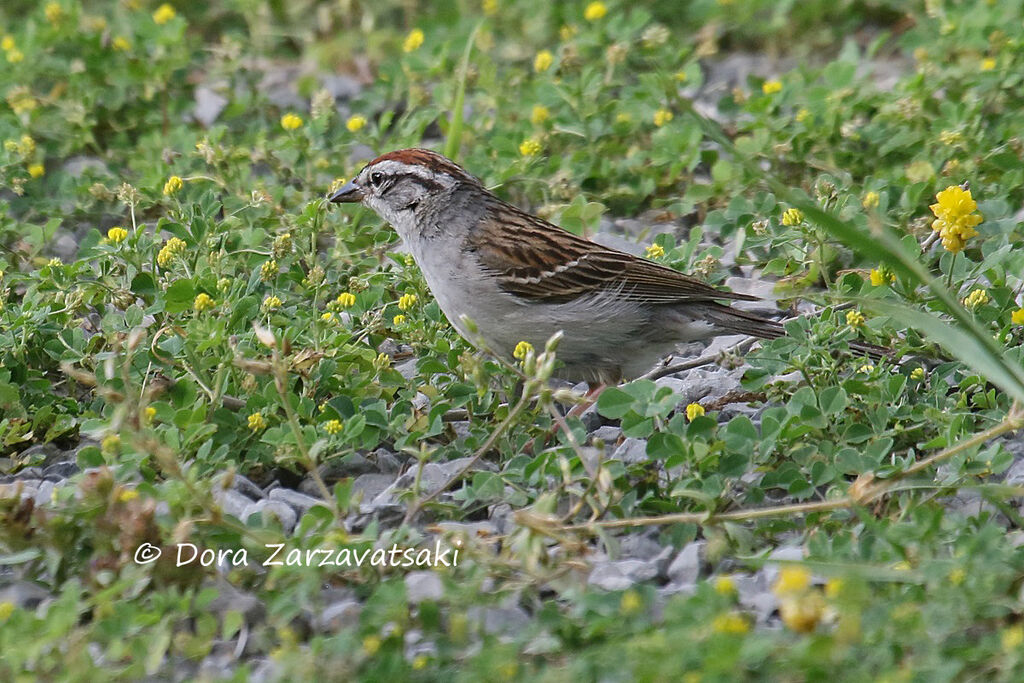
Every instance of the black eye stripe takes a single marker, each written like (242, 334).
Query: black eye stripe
(391, 182)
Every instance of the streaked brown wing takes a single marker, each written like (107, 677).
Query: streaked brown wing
(541, 262)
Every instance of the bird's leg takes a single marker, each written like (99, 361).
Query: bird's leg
(590, 398)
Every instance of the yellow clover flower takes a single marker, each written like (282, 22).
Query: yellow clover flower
(257, 423)
(791, 581)
(121, 44)
(979, 297)
(271, 303)
(346, 299)
(7, 43)
(771, 87)
(539, 115)
(881, 276)
(543, 61)
(693, 411)
(291, 121)
(398, 320)
(171, 250)
(724, 585)
(595, 11)
(163, 14)
(413, 41)
(855, 318)
(36, 170)
(406, 301)
(530, 147)
(1017, 317)
(117, 235)
(955, 217)
(173, 184)
(730, 622)
(269, 270)
(870, 200)
(802, 614)
(792, 217)
(988, 64)
(631, 602)
(655, 251)
(203, 303)
(355, 123)
(661, 117)
(333, 427)
(53, 12)
(522, 349)
(917, 374)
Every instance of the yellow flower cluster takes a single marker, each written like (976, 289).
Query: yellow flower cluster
(36, 170)
(11, 51)
(730, 622)
(771, 87)
(661, 117)
(355, 123)
(23, 148)
(855, 318)
(693, 411)
(881, 276)
(173, 184)
(117, 235)
(539, 115)
(1017, 317)
(170, 251)
(917, 374)
(269, 270)
(988, 64)
(530, 147)
(54, 12)
(522, 349)
(203, 303)
(406, 301)
(792, 217)
(163, 14)
(870, 200)
(346, 299)
(257, 423)
(724, 585)
(595, 11)
(631, 602)
(121, 44)
(398, 320)
(800, 606)
(955, 217)
(655, 251)
(543, 61)
(413, 41)
(271, 303)
(291, 121)
(333, 426)
(979, 297)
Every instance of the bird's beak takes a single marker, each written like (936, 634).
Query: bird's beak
(349, 192)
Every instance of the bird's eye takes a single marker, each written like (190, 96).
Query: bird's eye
(376, 178)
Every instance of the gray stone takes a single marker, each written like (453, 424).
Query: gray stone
(371, 485)
(590, 418)
(76, 167)
(615, 575)
(299, 502)
(685, 569)
(337, 616)
(341, 86)
(423, 585)
(385, 460)
(232, 502)
(59, 471)
(272, 508)
(469, 529)
(24, 594)
(41, 454)
(209, 105)
(44, 494)
(503, 517)
(27, 473)
(631, 451)
(246, 487)
(608, 433)
(231, 599)
(509, 619)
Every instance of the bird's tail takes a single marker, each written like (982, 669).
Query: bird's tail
(738, 321)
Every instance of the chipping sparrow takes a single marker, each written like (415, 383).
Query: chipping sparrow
(520, 278)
